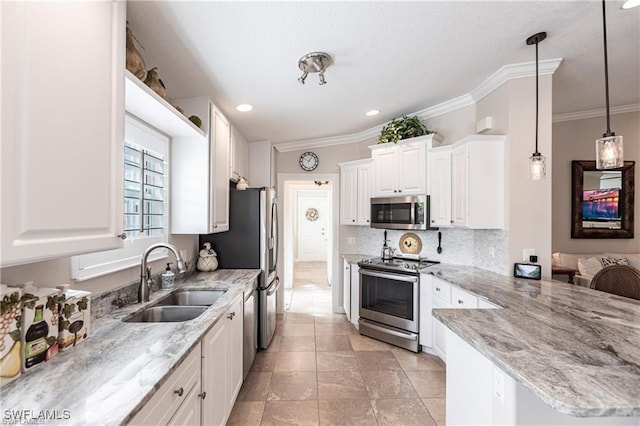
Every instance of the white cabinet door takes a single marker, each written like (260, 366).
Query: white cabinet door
(439, 332)
(220, 172)
(346, 288)
(364, 194)
(355, 293)
(385, 171)
(412, 169)
(426, 303)
(234, 348)
(190, 412)
(348, 195)
(62, 128)
(214, 362)
(440, 191)
(239, 155)
(460, 185)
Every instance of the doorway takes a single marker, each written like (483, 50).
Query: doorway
(309, 233)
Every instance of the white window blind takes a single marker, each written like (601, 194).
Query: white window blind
(145, 204)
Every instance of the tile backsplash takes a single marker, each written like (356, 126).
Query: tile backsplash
(486, 249)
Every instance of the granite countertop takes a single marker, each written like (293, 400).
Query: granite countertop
(577, 349)
(109, 377)
(355, 258)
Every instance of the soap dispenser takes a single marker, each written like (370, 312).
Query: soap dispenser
(167, 278)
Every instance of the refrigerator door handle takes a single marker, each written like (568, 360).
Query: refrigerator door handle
(276, 286)
(274, 232)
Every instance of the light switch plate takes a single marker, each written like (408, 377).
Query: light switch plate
(351, 241)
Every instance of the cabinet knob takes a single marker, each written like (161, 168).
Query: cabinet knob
(231, 315)
(395, 190)
(122, 236)
(353, 220)
(367, 220)
(215, 226)
(179, 391)
(460, 302)
(399, 190)
(202, 395)
(437, 288)
(451, 221)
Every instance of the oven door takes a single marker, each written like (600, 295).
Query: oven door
(389, 298)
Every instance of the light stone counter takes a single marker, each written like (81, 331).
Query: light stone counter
(355, 258)
(108, 378)
(576, 349)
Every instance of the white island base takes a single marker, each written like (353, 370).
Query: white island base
(479, 393)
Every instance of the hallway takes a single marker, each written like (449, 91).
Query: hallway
(319, 371)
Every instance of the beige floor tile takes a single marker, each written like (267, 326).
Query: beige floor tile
(437, 407)
(294, 413)
(421, 361)
(297, 344)
(346, 412)
(388, 384)
(341, 385)
(274, 346)
(295, 361)
(428, 384)
(330, 317)
(376, 360)
(246, 414)
(332, 343)
(299, 318)
(255, 387)
(289, 329)
(264, 361)
(364, 343)
(336, 361)
(293, 386)
(334, 328)
(394, 412)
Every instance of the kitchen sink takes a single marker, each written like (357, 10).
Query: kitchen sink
(191, 298)
(167, 314)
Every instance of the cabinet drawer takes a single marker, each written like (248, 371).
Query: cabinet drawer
(442, 290)
(462, 299)
(166, 401)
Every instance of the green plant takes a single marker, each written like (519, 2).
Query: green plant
(403, 128)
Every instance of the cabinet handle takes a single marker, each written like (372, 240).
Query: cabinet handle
(437, 288)
(353, 220)
(215, 226)
(395, 190)
(122, 236)
(231, 315)
(202, 395)
(179, 391)
(367, 220)
(399, 190)
(460, 302)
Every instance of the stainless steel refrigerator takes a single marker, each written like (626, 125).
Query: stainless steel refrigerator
(252, 243)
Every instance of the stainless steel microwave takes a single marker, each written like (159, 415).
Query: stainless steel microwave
(406, 212)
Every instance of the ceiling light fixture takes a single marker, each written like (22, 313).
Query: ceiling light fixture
(372, 112)
(312, 63)
(631, 3)
(244, 107)
(609, 152)
(537, 169)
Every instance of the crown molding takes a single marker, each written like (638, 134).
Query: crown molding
(504, 74)
(593, 113)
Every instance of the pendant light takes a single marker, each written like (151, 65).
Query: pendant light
(609, 153)
(537, 169)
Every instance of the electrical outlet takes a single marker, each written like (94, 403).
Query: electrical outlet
(526, 253)
(351, 241)
(498, 384)
(492, 252)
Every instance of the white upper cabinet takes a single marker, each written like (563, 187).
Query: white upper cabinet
(478, 175)
(355, 192)
(239, 155)
(440, 186)
(62, 132)
(200, 173)
(401, 169)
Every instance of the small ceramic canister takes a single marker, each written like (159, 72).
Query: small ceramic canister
(208, 260)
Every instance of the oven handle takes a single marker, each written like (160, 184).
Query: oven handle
(396, 277)
(392, 332)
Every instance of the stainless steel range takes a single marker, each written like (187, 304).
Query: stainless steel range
(390, 300)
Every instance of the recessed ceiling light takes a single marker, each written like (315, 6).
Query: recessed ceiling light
(244, 107)
(373, 112)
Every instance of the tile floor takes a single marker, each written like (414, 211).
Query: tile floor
(319, 371)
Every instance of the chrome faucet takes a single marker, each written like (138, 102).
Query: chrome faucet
(145, 271)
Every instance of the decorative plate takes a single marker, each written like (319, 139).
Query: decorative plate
(312, 214)
(410, 243)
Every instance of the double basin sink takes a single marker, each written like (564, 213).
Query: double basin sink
(180, 305)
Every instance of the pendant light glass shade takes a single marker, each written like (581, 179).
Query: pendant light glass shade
(609, 154)
(537, 166)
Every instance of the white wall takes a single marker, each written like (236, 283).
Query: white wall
(575, 140)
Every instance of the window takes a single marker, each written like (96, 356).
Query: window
(145, 204)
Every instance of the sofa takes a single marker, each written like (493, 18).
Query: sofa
(588, 264)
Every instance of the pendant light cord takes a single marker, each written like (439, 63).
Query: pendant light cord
(537, 97)
(606, 71)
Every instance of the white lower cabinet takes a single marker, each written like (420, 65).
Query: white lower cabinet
(351, 291)
(222, 366)
(181, 389)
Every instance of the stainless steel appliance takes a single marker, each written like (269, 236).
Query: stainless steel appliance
(390, 300)
(252, 243)
(250, 330)
(407, 212)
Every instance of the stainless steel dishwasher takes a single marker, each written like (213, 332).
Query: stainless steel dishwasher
(250, 326)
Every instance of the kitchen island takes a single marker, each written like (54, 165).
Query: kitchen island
(575, 349)
(111, 376)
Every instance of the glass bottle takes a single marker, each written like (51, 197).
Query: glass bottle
(35, 348)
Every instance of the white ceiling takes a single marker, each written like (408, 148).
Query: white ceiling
(399, 57)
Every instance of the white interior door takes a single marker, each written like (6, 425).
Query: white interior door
(313, 230)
